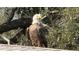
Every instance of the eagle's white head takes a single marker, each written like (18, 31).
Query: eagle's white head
(37, 18)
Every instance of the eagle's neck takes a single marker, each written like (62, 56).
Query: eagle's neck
(36, 22)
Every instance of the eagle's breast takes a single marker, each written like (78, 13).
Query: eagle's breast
(35, 35)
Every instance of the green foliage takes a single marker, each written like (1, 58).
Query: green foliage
(63, 31)
(65, 34)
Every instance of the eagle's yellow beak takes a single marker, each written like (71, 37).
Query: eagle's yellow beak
(38, 17)
(43, 17)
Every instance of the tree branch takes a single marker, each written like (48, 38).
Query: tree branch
(15, 24)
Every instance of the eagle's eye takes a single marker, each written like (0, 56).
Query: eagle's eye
(39, 17)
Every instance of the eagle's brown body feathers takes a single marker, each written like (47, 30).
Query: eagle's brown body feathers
(36, 35)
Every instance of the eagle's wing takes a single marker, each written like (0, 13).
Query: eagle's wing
(41, 34)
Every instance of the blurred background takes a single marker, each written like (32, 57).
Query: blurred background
(63, 22)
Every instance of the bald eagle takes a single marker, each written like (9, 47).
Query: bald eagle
(35, 32)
